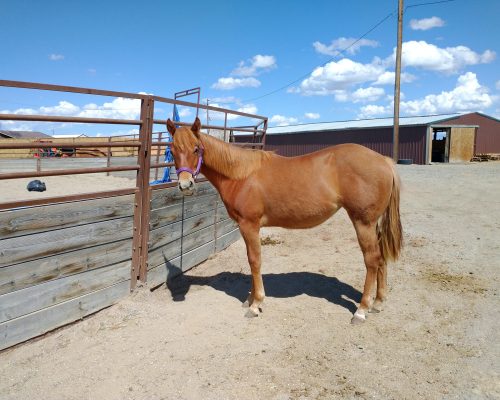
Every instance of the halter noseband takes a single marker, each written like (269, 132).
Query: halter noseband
(198, 166)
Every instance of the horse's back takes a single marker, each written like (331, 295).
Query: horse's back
(365, 178)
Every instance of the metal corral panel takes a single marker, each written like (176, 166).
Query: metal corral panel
(412, 141)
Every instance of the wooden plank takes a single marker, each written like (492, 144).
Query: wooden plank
(26, 327)
(31, 220)
(20, 249)
(222, 212)
(462, 144)
(169, 233)
(225, 226)
(174, 213)
(226, 240)
(34, 298)
(19, 276)
(158, 275)
(165, 197)
(174, 249)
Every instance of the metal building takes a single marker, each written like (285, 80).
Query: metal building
(426, 139)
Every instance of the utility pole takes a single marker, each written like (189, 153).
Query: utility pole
(397, 84)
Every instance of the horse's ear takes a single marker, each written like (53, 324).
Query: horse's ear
(195, 128)
(171, 127)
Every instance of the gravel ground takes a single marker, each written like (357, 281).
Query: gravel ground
(438, 337)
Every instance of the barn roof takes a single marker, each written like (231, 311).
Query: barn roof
(362, 124)
(22, 134)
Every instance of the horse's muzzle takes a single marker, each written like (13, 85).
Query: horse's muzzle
(187, 186)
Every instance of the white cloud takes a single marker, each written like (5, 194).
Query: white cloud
(468, 95)
(362, 95)
(223, 100)
(388, 77)
(372, 110)
(339, 75)
(230, 83)
(119, 108)
(338, 45)
(245, 73)
(420, 54)
(256, 65)
(281, 120)
(56, 57)
(367, 94)
(63, 108)
(426, 23)
(311, 115)
(219, 116)
(184, 111)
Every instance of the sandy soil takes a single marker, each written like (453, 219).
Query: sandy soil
(438, 337)
(16, 189)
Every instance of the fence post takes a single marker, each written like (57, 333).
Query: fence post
(143, 195)
(108, 162)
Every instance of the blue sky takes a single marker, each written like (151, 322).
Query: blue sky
(239, 52)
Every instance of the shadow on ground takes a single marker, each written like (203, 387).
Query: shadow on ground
(283, 285)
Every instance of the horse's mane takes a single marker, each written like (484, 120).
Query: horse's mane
(231, 161)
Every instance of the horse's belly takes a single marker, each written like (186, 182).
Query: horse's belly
(301, 217)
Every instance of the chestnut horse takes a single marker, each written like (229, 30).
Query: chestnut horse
(260, 188)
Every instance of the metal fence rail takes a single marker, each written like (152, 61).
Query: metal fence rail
(142, 146)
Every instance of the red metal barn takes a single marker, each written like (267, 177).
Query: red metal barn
(425, 139)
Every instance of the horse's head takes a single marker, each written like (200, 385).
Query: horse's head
(187, 150)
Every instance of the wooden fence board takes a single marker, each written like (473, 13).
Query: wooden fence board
(19, 249)
(174, 213)
(173, 249)
(222, 212)
(158, 274)
(225, 226)
(166, 197)
(19, 276)
(225, 240)
(31, 220)
(34, 298)
(28, 326)
(169, 233)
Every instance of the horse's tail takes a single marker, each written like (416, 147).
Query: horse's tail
(389, 229)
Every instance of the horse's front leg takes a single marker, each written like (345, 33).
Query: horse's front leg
(250, 233)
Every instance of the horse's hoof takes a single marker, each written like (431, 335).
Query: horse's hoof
(245, 304)
(358, 318)
(376, 307)
(251, 313)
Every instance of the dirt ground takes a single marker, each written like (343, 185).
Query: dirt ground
(437, 338)
(16, 189)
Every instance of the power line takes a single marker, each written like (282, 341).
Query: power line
(345, 49)
(428, 3)
(327, 61)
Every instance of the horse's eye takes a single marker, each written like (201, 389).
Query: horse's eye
(196, 150)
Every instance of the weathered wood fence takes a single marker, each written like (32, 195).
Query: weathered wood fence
(66, 257)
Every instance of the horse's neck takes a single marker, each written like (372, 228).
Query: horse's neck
(229, 161)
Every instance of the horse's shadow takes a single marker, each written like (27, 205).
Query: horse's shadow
(284, 285)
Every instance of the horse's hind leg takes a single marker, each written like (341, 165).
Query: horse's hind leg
(381, 288)
(375, 271)
(250, 233)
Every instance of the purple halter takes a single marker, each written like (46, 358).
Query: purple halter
(198, 167)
